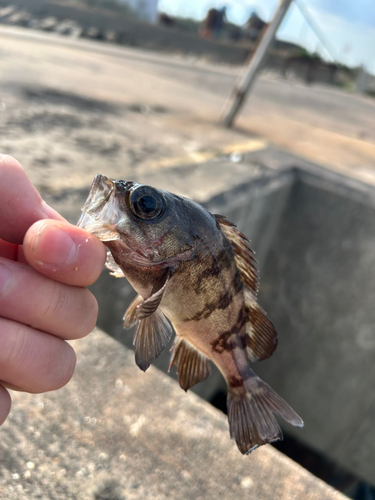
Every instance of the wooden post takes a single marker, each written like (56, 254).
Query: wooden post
(243, 86)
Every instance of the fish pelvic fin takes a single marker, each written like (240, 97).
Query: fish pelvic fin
(251, 414)
(151, 335)
(192, 366)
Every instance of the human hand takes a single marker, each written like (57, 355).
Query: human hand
(45, 263)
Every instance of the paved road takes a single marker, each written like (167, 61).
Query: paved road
(324, 124)
(343, 111)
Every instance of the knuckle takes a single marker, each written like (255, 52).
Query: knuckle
(13, 343)
(57, 300)
(72, 310)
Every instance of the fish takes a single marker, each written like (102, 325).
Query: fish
(196, 271)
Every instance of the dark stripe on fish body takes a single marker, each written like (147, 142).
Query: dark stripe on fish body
(223, 260)
(224, 343)
(237, 283)
(225, 257)
(235, 381)
(223, 302)
(211, 269)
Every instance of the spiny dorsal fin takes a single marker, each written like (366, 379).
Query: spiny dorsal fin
(151, 336)
(192, 366)
(260, 332)
(261, 336)
(243, 254)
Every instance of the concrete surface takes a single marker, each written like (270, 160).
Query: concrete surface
(117, 433)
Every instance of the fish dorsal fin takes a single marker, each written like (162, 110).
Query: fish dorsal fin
(261, 336)
(153, 329)
(115, 269)
(192, 366)
(243, 254)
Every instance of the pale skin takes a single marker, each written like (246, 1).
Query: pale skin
(45, 265)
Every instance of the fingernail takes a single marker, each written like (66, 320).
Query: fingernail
(5, 277)
(54, 246)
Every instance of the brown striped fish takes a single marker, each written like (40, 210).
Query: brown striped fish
(196, 271)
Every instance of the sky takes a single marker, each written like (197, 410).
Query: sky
(349, 25)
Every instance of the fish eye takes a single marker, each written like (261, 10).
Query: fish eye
(146, 203)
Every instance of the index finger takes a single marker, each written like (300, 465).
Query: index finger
(20, 203)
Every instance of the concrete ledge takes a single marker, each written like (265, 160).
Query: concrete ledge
(115, 432)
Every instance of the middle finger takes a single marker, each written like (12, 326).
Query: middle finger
(28, 297)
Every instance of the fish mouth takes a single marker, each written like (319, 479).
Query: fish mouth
(101, 212)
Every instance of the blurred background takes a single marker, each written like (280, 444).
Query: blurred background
(140, 89)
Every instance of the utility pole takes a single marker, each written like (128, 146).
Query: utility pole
(242, 87)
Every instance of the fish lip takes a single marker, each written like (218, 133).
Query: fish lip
(100, 200)
(100, 191)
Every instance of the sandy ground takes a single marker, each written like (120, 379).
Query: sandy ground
(69, 109)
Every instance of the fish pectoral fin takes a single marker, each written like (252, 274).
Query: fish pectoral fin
(130, 317)
(251, 414)
(149, 306)
(140, 308)
(112, 266)
(151, 336)
(260, 332)
(192, 366)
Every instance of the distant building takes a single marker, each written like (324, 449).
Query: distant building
(147, 10)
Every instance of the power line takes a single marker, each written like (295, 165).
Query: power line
(316, 29)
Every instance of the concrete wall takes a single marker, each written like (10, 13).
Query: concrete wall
(317, 264)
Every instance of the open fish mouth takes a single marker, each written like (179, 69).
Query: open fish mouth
(101, 212)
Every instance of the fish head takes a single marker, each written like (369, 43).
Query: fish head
(155, 226)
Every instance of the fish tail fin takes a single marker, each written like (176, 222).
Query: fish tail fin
(251, 413)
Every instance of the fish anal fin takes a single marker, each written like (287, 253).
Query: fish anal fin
(151, 336)
(243, 254)
(251, 414)
(192, 366)
(130, 317)
(261, 336)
